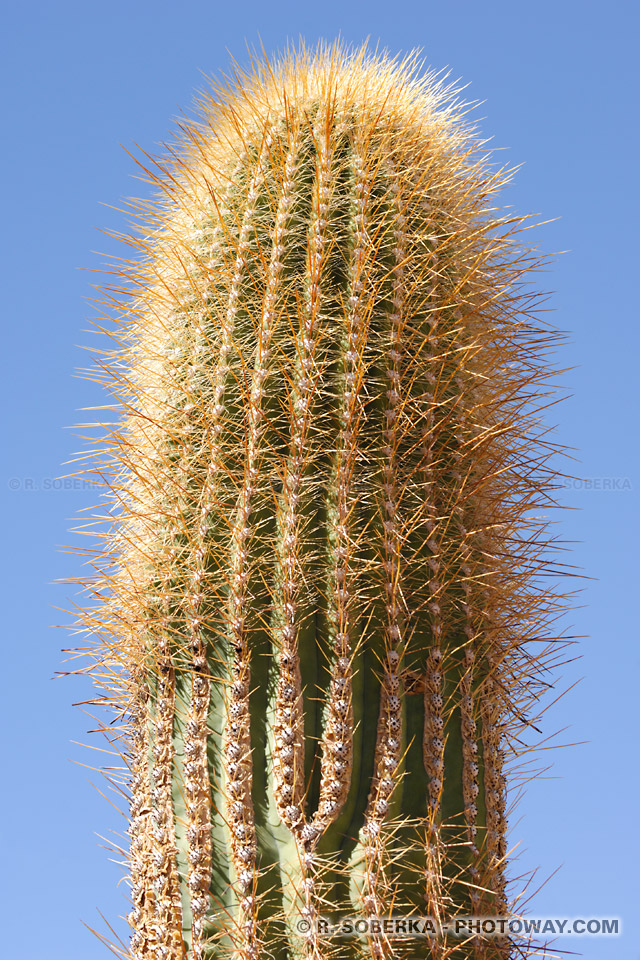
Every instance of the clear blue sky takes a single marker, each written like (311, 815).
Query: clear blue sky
(560, 92)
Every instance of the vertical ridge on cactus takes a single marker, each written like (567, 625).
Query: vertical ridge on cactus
(318, 606)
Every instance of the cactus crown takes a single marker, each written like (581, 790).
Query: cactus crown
(318, 608)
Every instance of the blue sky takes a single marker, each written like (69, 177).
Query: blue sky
(82, 80)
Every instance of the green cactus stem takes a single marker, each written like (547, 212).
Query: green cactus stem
(318, 608)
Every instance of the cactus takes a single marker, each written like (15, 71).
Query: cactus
(317, 608)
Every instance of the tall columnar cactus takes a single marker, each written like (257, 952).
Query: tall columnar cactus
(318, 610)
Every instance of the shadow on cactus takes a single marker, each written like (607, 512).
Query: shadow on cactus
(318, 605)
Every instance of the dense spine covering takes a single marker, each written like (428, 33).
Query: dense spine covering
(318, 604)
